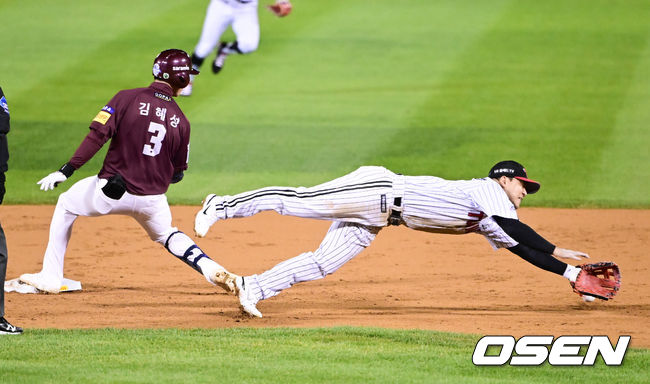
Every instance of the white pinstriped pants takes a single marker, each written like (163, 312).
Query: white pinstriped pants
(358, 203)
(342, 242)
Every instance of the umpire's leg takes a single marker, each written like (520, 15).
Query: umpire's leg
(3, 269)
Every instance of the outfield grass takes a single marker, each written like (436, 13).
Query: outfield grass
(445, 88)
(337, 355)
(423, 87)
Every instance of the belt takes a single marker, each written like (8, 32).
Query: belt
(395, 217)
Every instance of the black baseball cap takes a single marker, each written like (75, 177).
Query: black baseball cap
(511, 168)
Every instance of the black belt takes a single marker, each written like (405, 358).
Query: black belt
(395, 217)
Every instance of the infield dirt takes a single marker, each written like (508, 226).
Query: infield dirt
(405, 279)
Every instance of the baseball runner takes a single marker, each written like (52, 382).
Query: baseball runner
(242, 16)
(370, 198)
(5, 327)
(149, 150)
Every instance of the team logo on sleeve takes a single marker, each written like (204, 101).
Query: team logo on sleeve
(4, 105)
(105, 114)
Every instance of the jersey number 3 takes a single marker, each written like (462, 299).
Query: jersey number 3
(155, 143)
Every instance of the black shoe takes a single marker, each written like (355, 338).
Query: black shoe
(8, 329)
(220, 60)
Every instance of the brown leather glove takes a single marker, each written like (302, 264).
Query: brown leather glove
(281, 8)
(601, 280)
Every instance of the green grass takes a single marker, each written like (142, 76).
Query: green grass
(336, 355)
(444, 88)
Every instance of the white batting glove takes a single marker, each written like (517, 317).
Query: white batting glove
(52, 180)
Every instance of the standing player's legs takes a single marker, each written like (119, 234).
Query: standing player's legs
(218, 17)
(154, 215)
(80, 200)
(5, 327)
(364, 196)
(246, 26)
(3, 269)
(342, 242)
(85, 198)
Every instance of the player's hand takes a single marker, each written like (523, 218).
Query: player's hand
(52, 180)
(569, 254)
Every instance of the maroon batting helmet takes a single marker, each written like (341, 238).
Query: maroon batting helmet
(174, 67)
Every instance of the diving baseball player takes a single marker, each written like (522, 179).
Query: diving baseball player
(149, 150)
(242, 16)
(370, 198)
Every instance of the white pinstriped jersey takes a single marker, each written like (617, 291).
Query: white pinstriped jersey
(366, 197)
(360, 204)
(437, 205)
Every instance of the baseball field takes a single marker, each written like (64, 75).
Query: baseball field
(444, 88)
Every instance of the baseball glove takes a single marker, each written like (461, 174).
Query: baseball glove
(281, 8)
(601, 280)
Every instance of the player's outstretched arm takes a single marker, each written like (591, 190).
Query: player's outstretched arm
(524, 234)
(590, 281)
(539, 259)
(527, 236)
(93, 141)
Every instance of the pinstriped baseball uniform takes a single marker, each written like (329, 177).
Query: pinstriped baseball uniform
(352, 198)
(360, 204)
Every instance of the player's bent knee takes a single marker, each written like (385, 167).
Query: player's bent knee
(203, 50)
(361, 235)
(247, 46)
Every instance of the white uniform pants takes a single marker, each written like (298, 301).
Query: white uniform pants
(342, 242)
(355, 197)
(223, 13)
(359, 204)
(85, 198)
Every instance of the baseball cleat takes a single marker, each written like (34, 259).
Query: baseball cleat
(247, 300)
(220, 60)
(206, 216)
(39, 282)
(225, 280)
(7, 329)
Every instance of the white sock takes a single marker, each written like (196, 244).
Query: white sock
(209, 267)
(571, 273)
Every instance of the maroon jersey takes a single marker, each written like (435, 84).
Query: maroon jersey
(149, 139)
